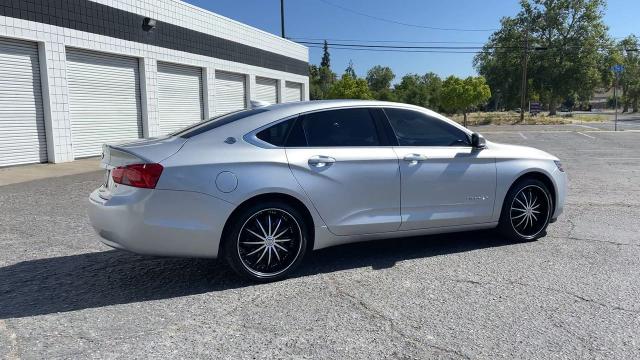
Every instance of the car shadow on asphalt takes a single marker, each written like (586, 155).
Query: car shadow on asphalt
(92, 280)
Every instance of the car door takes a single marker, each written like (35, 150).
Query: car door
(445, 181)
(348, 170)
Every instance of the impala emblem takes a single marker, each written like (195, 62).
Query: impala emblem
(480, 197)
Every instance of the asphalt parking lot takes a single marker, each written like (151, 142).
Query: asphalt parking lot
(573, 294)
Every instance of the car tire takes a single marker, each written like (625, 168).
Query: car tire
(266, 241)
(526, 211)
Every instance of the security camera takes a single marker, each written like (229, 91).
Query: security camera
(148, 24)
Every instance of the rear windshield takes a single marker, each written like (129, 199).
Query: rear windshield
(216, 122)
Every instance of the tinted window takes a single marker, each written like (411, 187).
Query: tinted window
(276, 134)
(413, 128)
(343, 127)
(296, 136)
(216, 122)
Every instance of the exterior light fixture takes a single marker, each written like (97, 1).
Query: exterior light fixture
(148, 24)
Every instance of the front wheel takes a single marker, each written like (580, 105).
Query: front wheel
(526, 211)
(266, 241)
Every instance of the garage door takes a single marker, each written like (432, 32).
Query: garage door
(292, 92)
(22, 133)
(104, 100)
(179, 96)
(230, 93)
(266, 90)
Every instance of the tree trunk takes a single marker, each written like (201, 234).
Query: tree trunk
(635, 104)
(464, 113)
(552, 105)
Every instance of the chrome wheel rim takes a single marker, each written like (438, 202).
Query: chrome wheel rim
(269, 242)
(529, 212)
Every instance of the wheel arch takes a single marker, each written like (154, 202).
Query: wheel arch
(272, 196)
(542, 177)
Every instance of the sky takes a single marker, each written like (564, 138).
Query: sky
(319, 19)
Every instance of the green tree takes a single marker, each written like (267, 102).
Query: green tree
(315, 92)
(350, 70)
(630, 77)
(321, 78)
(420, 90)
(350, 88)
(463, 95)
(326, 58)
(379, 78)
(502, 67)
(564, 38)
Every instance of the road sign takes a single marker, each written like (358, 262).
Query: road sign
(535, 108)
(617, 68)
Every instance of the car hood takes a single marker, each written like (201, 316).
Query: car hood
(517, 151)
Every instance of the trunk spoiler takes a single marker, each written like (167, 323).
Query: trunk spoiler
(114, 156)
(142, 151)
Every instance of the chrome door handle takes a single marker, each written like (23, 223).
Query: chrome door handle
(414, 158)
(321, 161)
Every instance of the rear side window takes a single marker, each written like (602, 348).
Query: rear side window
(277, 134)
(413, 128)
(216, 122)
(339, 128)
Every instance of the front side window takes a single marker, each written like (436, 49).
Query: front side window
(413, 128)
(340, 128)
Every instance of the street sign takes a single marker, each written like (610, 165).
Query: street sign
(535, 108)
(617, 68)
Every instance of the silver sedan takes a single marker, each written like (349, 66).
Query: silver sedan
(263, 187)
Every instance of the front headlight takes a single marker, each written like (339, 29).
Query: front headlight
(559, 165)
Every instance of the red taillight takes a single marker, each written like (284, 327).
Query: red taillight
(137, 175)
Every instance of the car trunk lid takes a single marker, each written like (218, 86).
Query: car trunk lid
(147, 151)
(140, 151)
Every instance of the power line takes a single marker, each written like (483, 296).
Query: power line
(399, 50)
(448, 49)
(395, 46)
(401, 22)
(384, 41)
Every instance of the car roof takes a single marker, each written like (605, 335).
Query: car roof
(276, 112)
(288, 109)
(305, 106)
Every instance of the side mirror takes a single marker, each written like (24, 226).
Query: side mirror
(478, 141)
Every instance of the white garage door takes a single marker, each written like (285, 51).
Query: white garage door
(266, 90)
(230, 93)
(104, 100)
(292, 92)
(22, 132)
(179, 96)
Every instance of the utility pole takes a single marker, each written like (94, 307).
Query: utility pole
(617, 70)
(282, 17)
(523, 90)
(615, 100)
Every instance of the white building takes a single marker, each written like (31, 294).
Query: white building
(78, 73)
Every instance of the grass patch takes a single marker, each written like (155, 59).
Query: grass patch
(513, 118)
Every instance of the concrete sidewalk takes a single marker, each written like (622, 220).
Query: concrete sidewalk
(24, 173)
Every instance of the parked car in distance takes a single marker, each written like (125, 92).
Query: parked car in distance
(262, 187)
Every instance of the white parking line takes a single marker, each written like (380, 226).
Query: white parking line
(588, 127)
(522, 135)
(589, 136)
(531, 131)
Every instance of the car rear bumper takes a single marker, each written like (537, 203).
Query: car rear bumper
(160, 222)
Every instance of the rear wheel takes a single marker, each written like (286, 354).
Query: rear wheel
(526, 211)
(266, 241)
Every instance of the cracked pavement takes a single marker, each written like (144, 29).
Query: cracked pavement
(572, 294)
